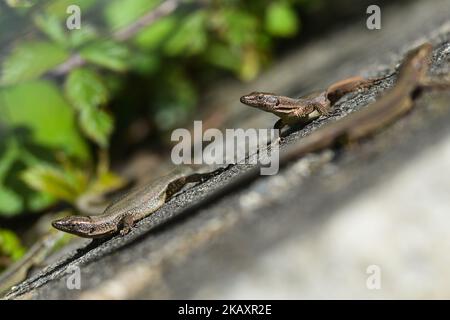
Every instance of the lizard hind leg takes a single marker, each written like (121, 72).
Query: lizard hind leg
(324, 108)
(279, 125)
(175, 186)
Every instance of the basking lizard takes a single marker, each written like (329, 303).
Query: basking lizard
(412, 79)
(141, 202)
(135, 205)
(304, 109)
(396, 102)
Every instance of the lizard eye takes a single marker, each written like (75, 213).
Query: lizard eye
(260, 98)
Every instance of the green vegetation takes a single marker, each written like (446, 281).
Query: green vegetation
(10, 248)
(52, 129)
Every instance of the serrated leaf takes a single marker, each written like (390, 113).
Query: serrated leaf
(39, 108)
(108, 54)
(85, 89)
(97, 125)
(51, 180)
(52, 27)
(281, 20)
(29, 60)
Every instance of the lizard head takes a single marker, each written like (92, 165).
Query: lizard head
(80, 226)
(261, 100)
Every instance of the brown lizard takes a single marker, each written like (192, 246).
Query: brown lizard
(122, 214)
(138, 203)
(301, 110)
(412, 79)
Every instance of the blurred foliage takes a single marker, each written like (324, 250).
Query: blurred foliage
(54, 123)
(11, 249)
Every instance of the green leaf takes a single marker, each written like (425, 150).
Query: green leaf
(21, 3)
(52, 27)
(29, 60)
(82, 36)
(144, 63)
(59, 7)
(190, 38)
(41, 111)
(120, 13)
(9, 152)
(97, 125)
(281, 20)
(53, 181)
(251, 63)
(10, 202)
(105, 182)
(108, 54)
(85, 89)
(10, 245)
(39, 201)
(239, 27)
(153, 36)
(221, 55)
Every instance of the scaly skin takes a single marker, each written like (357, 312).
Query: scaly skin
(302, 110)
(140, 203)
(135, 205)
(412, 79)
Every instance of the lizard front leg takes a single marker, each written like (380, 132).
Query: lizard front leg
(321, 104)
(126, 224)
(278, 126)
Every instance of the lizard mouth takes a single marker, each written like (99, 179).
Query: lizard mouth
(246, 100)
(60, 224)
(249, 100)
